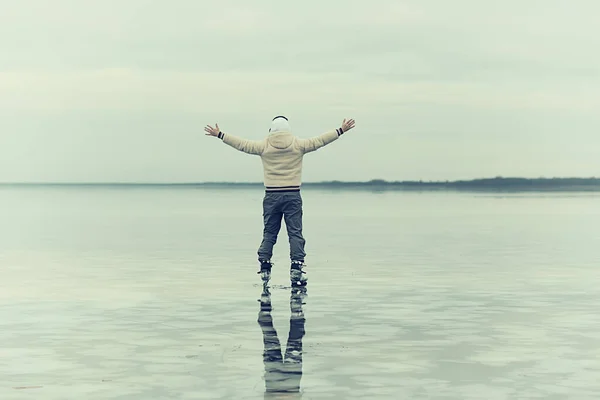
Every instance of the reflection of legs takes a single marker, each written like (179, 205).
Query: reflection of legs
(272, 214)
(272, 348)
(282, 375)
(293, 351)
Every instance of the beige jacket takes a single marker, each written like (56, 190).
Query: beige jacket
(281, 154)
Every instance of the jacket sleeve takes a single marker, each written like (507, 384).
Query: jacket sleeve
(255, 147)
(315, 143)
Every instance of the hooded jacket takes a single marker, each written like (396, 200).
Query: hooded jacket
(281, 153)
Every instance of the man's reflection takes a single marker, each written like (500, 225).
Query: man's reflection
(282, 374)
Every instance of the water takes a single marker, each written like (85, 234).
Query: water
(152, 293)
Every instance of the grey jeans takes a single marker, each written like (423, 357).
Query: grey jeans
(289, 206)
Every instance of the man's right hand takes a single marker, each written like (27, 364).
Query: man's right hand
(347, 125)
(210, 131)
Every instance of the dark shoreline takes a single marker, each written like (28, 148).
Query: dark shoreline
(488, 184)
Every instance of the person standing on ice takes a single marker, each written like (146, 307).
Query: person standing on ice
(281, 153)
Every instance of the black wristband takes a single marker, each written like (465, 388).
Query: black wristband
(340, 131)
(220, 135)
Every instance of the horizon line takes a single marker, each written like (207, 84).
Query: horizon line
(371, 181)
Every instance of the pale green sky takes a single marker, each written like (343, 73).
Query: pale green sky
(121, 90)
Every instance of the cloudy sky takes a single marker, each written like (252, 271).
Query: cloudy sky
(121, 90)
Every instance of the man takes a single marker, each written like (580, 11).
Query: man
(281, 153)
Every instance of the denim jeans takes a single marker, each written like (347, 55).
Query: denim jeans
(289, 206)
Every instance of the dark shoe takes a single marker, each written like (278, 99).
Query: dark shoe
(297, 275)
(265, 271)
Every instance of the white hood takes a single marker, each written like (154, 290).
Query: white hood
(280, 134)
(280, 124)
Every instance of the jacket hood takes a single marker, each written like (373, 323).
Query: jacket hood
(280, 134)
(280, 140)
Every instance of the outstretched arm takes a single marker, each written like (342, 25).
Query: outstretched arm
(315, 143)
(244, 145)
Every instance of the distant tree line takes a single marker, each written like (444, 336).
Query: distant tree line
(497, 183)
(492, 184)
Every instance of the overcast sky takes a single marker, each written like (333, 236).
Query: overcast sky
(121, 90)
